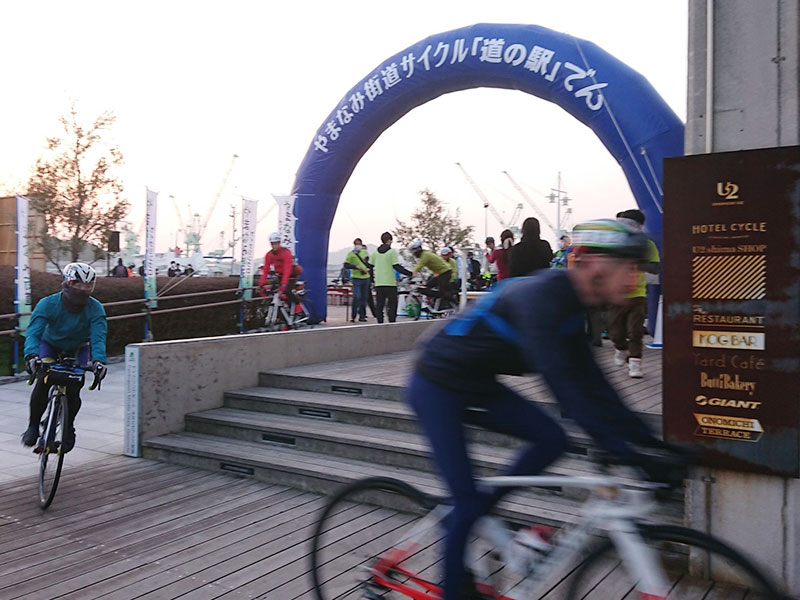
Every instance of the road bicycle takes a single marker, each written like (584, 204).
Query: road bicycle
(62, 375)
(609, 544)
(419, 301)
(285, 314)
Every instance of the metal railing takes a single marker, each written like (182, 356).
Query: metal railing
(145, 311)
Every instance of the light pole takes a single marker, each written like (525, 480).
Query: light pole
(556, 197)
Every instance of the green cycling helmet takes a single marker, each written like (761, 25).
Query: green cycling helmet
(609, 236)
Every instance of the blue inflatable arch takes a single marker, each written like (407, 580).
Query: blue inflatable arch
(616, 102)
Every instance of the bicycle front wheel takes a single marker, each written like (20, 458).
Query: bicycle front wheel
(51, 459)
(696, 565)
(375, 525)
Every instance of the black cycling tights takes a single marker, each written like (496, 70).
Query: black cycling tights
(38, 402)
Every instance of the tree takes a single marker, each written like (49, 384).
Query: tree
(433, 225)
(74, 188)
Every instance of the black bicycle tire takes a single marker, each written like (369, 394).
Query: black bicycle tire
(386, 484)
(46, 497)
(684, 536)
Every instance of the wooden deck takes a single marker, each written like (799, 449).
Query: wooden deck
(125, 528)
(129, 528)
(642, 395)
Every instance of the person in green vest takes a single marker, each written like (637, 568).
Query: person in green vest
(447, 256)
(626, 326)
(357, 260)
(439, 284)
(386, 261)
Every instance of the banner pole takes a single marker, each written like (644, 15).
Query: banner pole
(22, 284)
(150, 291)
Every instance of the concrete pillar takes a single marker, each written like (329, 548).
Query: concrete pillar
(754, 100)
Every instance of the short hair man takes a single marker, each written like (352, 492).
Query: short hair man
(626, 320)
(386, 262)
(357, 260)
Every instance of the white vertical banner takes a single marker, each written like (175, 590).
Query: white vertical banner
(150, 291)
(286, 220)
(22, 290)
(249, 209)
(130, 446)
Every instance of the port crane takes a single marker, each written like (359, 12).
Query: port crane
(510, 224)
(532, 204)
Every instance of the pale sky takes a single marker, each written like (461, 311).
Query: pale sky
(192, 83)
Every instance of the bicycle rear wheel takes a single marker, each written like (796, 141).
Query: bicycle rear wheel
(697, 565)
(413, 308)
(368, 527)
(51, 459)
(305, 317)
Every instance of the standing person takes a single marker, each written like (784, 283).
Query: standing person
(500, 256)
(174, 270)
(386, 261)
(119, 270)
(489, 273)
(357, 260)
(439, 283)
(69, 322)
(626, 319)
(532, 253)
(473, 271)
(281, 261)
(447, 255)
(594, 314)
(521, 329)
(141, 270)
(561, 257)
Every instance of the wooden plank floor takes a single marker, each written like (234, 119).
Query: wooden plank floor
(129, 528)
(642, 395)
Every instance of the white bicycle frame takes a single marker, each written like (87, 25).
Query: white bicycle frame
(276, 307)
(424, 300)
(614, 509)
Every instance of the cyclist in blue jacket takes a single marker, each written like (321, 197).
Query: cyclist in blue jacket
(529, 325)
(67, 323)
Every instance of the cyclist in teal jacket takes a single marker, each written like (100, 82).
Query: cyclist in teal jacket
(68, 323)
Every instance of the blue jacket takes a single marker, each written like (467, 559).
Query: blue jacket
(533, 324)
(54, 324)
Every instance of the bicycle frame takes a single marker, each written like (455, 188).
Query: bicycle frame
(614, 509)
(415, 294)
(278, 309)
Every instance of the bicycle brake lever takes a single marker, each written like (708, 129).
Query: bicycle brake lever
(95, 384)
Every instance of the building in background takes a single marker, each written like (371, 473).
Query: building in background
(8, 238)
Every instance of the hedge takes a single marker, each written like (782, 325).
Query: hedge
(201, 322)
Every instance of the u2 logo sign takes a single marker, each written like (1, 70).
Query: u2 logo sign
(730, 191)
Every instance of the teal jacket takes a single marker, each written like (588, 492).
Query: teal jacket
(54, 324)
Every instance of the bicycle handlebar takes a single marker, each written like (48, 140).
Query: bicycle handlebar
(40, 364)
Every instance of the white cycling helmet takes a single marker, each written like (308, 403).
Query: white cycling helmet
(446, 250)
(274, 237)
(81, 272)
(415, 245)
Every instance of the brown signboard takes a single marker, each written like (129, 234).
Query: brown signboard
(731, 285)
